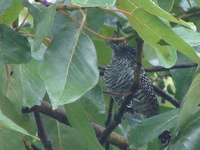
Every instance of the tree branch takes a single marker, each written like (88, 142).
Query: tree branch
(158, 68)
(42, 132)
(161, 93)
(60, 115)
(176, 66)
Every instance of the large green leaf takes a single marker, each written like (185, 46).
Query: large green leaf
(10, 14)
(4, 5)
(96, 96)
(44, 23)
(189, 135)
(166, 4)
(197, 2)
(62, 137)
(151, 128)
(6, 136)
(79, 120)
(93, 3)
(32, 84)
(15, 93)
(152, 8)
(8, 108)
(190, 103)
(191, 37)
(6, 122)
(3, 79)
(153, 30)
(94, 24)
(15, 48)
(69, 68)
(182, 78)
(34, 11)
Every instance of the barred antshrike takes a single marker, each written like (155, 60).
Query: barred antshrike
(119, 76)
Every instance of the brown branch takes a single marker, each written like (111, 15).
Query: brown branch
(176, 66)
(42, 132)
(117, 94)
(26, 143)
(159, 68)
(22, 23)
(114, 138)
(93, 32)
(185, 15)
(60, 115)
(161, 93)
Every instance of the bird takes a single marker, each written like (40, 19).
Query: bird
(119, 77)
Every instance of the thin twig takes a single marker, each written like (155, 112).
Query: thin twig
(117, 94)
(22, 23)
(176, 66)
(109, 118)
(161, 93)
(188, 15)
(85, 27)
(159, 68)
(42, 132)
(26, 143)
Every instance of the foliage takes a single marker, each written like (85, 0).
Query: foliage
(52, 55)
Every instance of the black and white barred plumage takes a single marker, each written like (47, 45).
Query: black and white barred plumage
(119, 76)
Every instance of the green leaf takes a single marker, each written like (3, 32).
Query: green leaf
(93, 3)
(152, 8)
(189, 135)
(197, 2)
(3, 79)
(151, 128)
(15, 93)
(8, 134)
(69, 68)
(153, 30)
(14, 48)
(62, 23)
(79, 120)
(170, 61)
(62, 136)
(190, 103)
(8, 109)
(4, 5)
(153, 145)
(104, 52)
(6, 122)
(34, 11)
(32, 84)
(166, 4)
(182, 78)
(150, 54)
(94, 24)
(191, 37)
(10, 14)
(44, 23)
(96, 96)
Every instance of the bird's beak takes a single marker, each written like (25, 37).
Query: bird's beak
(113, 45)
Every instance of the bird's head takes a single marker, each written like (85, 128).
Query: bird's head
(123, 51)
